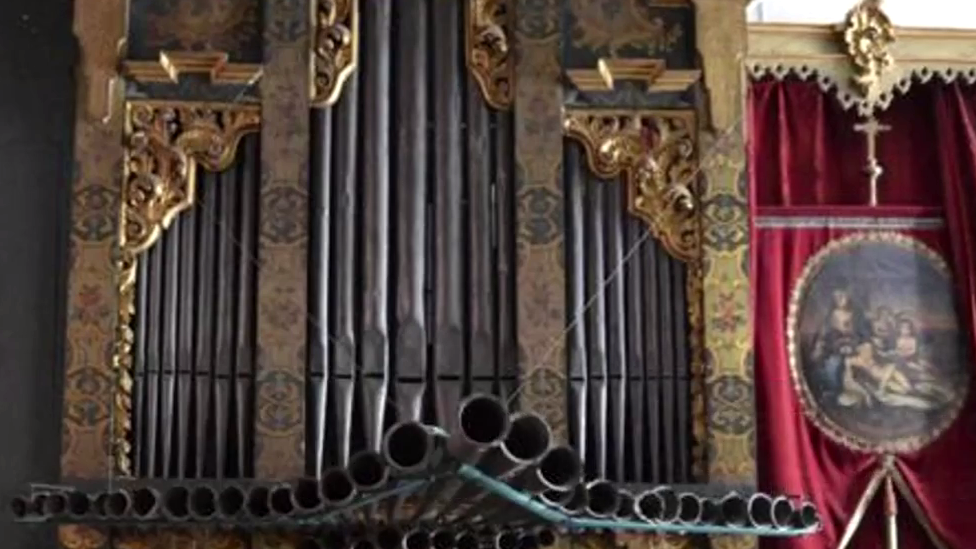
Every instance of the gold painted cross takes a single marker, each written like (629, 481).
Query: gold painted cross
(871, 128)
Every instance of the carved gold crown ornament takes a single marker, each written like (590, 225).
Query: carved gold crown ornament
(488, 51)
(655, 151)
(164, 142)
(335, 48)
(869, 34)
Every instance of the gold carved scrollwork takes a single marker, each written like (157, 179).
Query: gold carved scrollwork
(335, 48)
(655, 151)
(869, 35)
(488, 49)
(164, 143)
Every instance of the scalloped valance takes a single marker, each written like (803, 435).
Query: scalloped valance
(864, 62)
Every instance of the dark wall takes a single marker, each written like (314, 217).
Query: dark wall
(36, 126)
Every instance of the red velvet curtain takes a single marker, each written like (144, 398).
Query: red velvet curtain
(807, 160)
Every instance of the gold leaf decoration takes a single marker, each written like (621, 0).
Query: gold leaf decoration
(489, 57)
(869, 35)
(335, 48)
(655, 152)
(164, 143)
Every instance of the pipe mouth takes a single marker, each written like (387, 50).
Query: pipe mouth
(116, 504)
(337, 488)
(560, 468)
(555, 498)
(669, 503)
(443, 539)
(19, 507)
(203, 501)
(231, 501)
(144, 502)
(79, 504)
(507, 540)
(546, 537)
(710, 511)
(689, 508)
(807, 516)
(782, 512)
(368, 471)
(625, 506)
(54, 504)
(576, 501)
(734, 509)
(257, 502)
(602, 498)
(528, 437)
(100, 504)
(417, 539)
(307, 495)
(760, 510)
(176, 502)
(483, 419)
(649, 506)
(281, 500)
(388, 538)
(408, 446)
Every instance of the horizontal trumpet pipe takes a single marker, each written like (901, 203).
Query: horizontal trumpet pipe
(176, 503)
(203, 502)
(231, 501)
(602, 498)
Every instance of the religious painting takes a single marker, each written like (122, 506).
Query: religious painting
(876, 351)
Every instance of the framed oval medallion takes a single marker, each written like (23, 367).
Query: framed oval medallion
(877, 355)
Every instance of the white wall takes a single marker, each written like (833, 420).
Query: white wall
(958, 14)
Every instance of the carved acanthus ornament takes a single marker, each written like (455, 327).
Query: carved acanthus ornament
(655, 152)
(489, 57)
(335, 48)
(165, 141)
(869, 35)
(861, 62)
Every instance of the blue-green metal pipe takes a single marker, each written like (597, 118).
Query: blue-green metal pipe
(558, 517)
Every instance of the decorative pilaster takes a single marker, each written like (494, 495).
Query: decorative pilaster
(730, 392)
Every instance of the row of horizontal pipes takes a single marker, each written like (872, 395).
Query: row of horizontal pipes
(423, 476)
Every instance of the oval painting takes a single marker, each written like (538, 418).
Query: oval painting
(876, 351)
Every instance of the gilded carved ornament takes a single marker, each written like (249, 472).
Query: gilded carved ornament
(656, 154)
(866, 61)
(488, 52)
(335, 48)
(653, 74)
(869, 35)
(164, 141)
(171, 65)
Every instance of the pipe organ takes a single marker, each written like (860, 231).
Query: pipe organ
(331, 218)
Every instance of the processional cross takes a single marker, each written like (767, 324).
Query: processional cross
(871, 128)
